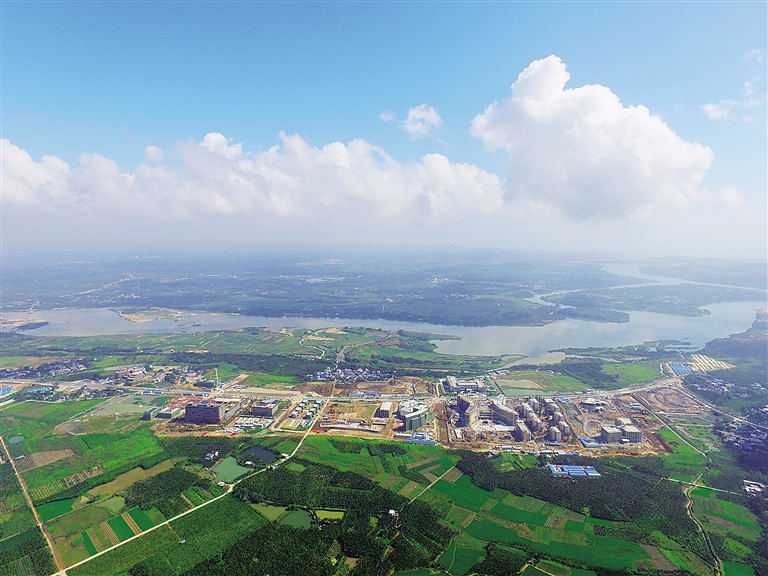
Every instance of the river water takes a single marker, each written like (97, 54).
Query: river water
(533, 341)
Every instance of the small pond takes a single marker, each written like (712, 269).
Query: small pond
(228, 470)
(260, 453)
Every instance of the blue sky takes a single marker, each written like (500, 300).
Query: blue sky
(110, 79)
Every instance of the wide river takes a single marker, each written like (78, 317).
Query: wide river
(533, 341)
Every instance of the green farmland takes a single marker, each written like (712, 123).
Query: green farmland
(23, 549)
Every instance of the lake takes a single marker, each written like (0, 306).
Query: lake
(533, 341)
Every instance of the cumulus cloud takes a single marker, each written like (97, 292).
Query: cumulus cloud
(422, 121)
(582, 152)
(357, 181)
(153, 153)
(31, 183)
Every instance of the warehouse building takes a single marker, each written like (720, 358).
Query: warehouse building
(169, 413)
(150, 413)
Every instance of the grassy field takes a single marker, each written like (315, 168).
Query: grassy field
(104, 451)
(724, 517)
(269, 380)
(536, 382)
(634, 372)
(128, 478)
(32, 420)
(297, 518)
(271, 513)
(30, 361)
(684, 460)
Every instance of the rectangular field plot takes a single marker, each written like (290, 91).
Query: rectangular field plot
(42, 458)
(737, 569)
(469, 499)
(140, 517)
(489, 531)
(458, 559)
(120, 528)
(89, 547)
(575, 526)
(55, 509)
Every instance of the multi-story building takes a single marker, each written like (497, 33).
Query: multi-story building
(265, 408)
(522, 432)
(414, 414)
(610, 434)
(503, 413)
(212, 411)
(632, 433)
(469, 411)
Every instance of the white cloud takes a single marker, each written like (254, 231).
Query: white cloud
(345, 183)
(153, 153)
(580, 151)
(31, 183)
(723, 110)
(730, 197)
(219, 144)
(422, 121)
(754, 96)
(752, 55)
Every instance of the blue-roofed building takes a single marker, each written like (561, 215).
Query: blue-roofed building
(680, 369)
(5, 390)
(573, 471)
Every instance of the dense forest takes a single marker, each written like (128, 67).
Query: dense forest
(416, 533)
